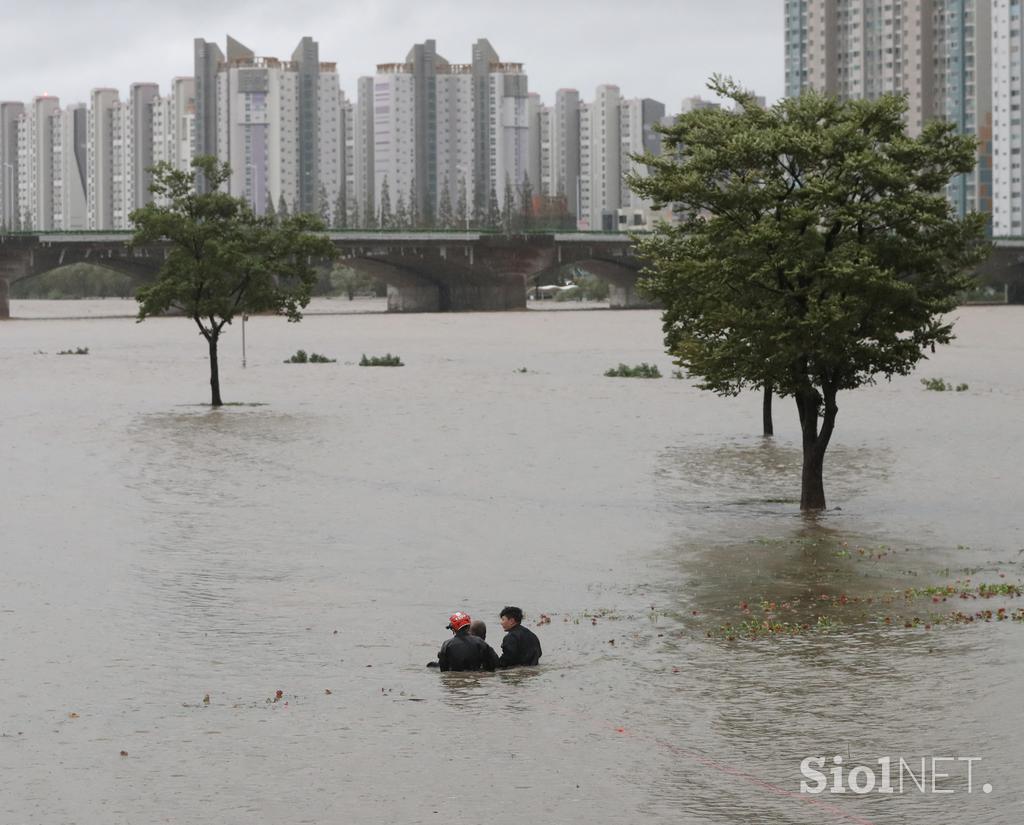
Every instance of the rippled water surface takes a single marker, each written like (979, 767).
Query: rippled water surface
(314, 537)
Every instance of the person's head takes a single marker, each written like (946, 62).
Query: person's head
(458, 620)
(478, 628)
(510, 617)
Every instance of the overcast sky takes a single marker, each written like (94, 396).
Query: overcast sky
(664, 49)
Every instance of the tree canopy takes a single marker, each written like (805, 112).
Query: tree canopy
(816, 250)
(223, 259)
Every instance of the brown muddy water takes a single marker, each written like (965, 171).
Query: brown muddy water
(314, 539)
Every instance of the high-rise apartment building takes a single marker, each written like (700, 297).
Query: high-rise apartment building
(174, 124)
(936, 52)
(637, 121)
(394, 138)
(100, 159)
(10, 112)
(36, 134)
(275, 122)
(363, 204)
(131, 144)
(600, 160)
(560, 150)
(1007, 128)
(69, 168)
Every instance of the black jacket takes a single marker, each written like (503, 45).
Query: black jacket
(519, 647)
(465, 652)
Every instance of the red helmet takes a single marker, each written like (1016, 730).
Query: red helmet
(458, 620)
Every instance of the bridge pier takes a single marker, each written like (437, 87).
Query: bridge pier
(414, 298)
(5, 299)
(625, 296)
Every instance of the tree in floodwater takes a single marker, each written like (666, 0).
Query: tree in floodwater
(223, 259)
(815, 252)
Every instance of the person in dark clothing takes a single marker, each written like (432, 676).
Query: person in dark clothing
(463, 651)
(520, 645)
(478, 628)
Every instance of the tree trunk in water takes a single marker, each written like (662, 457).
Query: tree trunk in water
(815, 443)
(766, 411)
(214, 371)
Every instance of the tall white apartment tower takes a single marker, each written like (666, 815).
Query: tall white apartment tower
(936, 52)
(263, 117)
(174, 124)
(69, 168)
(1007, 128)
(637, 121)
(35, 163)
(600, 160)
(508, 122)
(100, 159)
(10, 111)
(394, 138)
(131, 124)
(364, 187)
(560, 151)
(456, 145)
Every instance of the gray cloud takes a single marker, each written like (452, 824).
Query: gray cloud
(665, 49)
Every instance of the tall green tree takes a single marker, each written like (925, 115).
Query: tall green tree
(340, 211)
(445, 219)
(385, 204)
(354, 220)
(526, 202)
(323, 206)
(282, 207)
(461, 205)
(414, 216)
(223, 260)
(401, 213)
(816, 251)
(492, 218)
(508, 211)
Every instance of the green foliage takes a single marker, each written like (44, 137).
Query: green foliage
(301, 357)
(224, 260)
(348, 281)
(591, 287)
(75, 351)
(79, 280)
(941, 385)
(387, 360)
(643, 370)
(815, 252)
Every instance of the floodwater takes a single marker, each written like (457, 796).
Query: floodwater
(314, 538)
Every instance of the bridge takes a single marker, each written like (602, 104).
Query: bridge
(424, 271)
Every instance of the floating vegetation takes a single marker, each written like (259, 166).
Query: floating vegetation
(643, 370)
(800, 615)
(301, 357)
(387, 360)
(941, 385)
(75, 351)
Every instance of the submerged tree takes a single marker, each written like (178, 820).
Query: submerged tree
(816, 250)
(223, 260)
